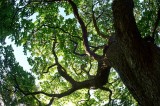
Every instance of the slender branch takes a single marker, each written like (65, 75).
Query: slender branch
(110, 93)
(87, 72)
(40, 104)
(76, 45)
(49, 68)
(98, 47)
(96, 27)
(56, 27)
(75, 70)
(84, 31)
(88, 98)
(61, 29)
(61, 70)
(27, 92)
(90, 76)
(78, 85)
(51, 101)
(74, 50)
(41, 92)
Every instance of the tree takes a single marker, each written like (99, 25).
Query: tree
(72, 55)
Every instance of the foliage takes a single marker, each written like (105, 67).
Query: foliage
(14, 77)
(54, 39)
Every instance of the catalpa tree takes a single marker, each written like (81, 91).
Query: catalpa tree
(82, 52)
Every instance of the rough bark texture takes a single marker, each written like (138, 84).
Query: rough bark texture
(137, 61)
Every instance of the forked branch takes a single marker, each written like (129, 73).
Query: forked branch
(84, 31)
(60, 69)
(96, 27)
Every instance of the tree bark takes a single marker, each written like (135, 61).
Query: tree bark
(137, 61)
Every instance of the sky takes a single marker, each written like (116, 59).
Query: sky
(19, 55)
(18, 50)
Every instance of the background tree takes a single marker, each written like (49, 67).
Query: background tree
(77, 48)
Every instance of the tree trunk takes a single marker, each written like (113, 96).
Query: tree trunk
(137, 61)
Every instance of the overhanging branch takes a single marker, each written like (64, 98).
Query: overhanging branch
(92, 83)
(84, 31)
(61, 70)
(96, 26)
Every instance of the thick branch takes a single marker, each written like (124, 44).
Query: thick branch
(78, 85)
(84, 31)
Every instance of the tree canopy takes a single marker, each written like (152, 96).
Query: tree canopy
(68, 42)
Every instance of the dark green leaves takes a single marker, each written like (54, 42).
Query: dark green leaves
(14, 79)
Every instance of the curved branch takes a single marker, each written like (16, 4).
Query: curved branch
(88, 98)
(95, 48)
(96, 27)
(26, 93)
(77, 86)
(76, 45)
(83, 66)
(110, 93)
(61, 70)
(40, 104)
(84, 31)
(49, 68)
(51, 101)
(74, 50)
